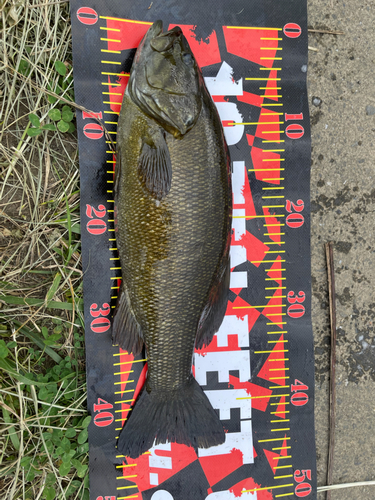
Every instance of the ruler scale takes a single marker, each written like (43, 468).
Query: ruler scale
(258, 371)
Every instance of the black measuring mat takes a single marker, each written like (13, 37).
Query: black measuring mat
(258, 372)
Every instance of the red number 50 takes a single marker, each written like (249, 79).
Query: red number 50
(303, 488)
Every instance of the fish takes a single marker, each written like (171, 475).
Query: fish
(173, 203)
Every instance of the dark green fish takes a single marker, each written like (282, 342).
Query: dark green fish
(173, 208)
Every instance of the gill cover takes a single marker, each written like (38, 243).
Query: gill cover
(165, 80)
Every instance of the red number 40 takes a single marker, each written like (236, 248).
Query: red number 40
(103, 417)
(299, 398)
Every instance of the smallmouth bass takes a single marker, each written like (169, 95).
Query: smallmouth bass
(173, 220)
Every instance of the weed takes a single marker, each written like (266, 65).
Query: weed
(43, 416)
(64, 116)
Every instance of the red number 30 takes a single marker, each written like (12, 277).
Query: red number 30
(100, 324)
(296, 309)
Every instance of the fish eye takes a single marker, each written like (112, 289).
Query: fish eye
(188, 59)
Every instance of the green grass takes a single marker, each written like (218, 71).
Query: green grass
(43, 415)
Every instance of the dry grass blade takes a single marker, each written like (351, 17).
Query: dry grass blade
(43, 419)
(345, 485)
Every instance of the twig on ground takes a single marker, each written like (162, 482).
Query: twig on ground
(332, 392)
(326, 32)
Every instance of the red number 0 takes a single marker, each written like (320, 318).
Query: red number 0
(93, 130)
(292, 30)
(87, 15)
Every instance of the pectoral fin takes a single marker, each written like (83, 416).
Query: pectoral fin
(154, 164)
(126, 331)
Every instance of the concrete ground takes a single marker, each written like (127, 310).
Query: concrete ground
(341, 90)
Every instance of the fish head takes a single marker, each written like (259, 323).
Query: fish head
(166, 81)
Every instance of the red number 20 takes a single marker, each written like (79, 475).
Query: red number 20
(98, 225)
(294, 220)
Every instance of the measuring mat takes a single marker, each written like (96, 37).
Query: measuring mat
(258, 372)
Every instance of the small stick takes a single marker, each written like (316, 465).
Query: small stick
(332, 384)
(327, 32)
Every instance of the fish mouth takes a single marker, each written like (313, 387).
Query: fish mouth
(164, 41)
(155, 29)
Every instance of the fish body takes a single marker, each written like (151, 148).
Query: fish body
(173, 219)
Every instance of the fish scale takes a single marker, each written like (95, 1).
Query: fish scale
(196, 213)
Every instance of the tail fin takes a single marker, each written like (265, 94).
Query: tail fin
(184, 416)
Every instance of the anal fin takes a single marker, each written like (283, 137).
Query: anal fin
(126, 331)
(214, 311)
